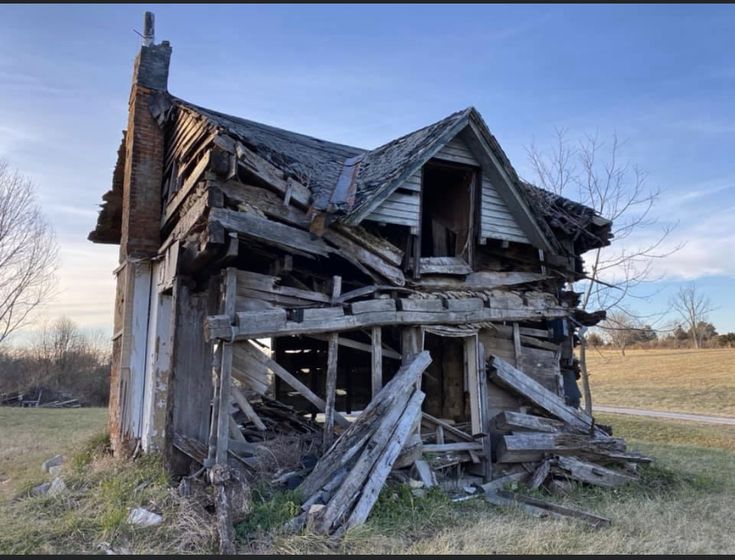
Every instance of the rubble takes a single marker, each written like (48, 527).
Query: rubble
(144, 518)
(54, 461)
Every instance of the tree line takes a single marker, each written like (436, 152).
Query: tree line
(60, 360)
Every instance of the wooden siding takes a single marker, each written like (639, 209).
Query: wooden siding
(496, 221)
(403, 207)
(457, 151)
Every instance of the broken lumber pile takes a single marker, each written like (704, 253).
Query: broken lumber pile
(551, 442)
(344, 485)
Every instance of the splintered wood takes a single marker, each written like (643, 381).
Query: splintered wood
(555, 445)
(351, 473)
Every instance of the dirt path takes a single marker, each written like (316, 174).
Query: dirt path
(704, 419)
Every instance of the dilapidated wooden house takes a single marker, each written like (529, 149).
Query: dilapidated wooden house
(264, 268)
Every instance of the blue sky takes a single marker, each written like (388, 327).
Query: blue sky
(661, 77)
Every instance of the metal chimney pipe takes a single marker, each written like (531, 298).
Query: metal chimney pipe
(149, 29)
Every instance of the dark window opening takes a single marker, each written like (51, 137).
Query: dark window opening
(446, 210)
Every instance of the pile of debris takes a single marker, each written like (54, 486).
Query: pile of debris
(39, 397)
(546, 443)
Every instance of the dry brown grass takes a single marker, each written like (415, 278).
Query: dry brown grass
(684, 505)
(699, 381)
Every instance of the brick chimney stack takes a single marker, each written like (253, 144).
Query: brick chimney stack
(144, 150)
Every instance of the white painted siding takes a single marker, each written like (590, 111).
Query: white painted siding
(403, 206)
(457, 151)
(496, 221)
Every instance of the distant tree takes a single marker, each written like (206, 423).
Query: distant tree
(621, 329)
(28, 252)
(66, 359)
(706, 331)
(595, 340)
(680, 333)
(693, 308)
(727, 340)
(645, 335)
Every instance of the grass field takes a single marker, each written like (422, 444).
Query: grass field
(699, 381)
(684, 503)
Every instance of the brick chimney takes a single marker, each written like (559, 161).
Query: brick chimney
(141, 212)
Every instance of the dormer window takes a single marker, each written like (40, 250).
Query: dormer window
(446, 210)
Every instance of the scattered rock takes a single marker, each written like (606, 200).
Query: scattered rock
(469, 489)
(144, 518)
(415, 483)
(54, 461)
(418, 492)
(58, 486)
(55, 471)
(41, 489)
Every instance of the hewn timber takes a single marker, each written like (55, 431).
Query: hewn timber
(331, 391)
(248, 327)
(506, 375)
(264, 230)
(509, 420)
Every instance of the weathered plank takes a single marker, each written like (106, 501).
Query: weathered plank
(530, 446)
(269, 232)
(444, 265)
(352, 439)
(590, 473)
(447, 447)
(500, 483)
(376, 362)
(246, 408)
(512, 421)
(447, 428)
(506, 375)
(540, 508)
(332, 352)
(384, 463)
(540, 475)
(366, 257)
(381, 247)
(372, 305)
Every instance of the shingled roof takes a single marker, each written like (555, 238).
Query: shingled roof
(345, 181)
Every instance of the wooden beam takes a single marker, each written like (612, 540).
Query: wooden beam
(531, 446)
(448, 428)
(444, 265)
(270, 232)
(574, 468)
(247, 408)
(377, 361)
(364, 256)
(517, 344)
(509, 420)
(257, 354)
(331, 390)
(506, 375)
(540, 508)
(446, 447)
(225, 380)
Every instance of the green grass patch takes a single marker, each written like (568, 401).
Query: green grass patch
(271, 510)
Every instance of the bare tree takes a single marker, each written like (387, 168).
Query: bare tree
(693, 307)
(28, 252)
(592, 173)
(621, 330)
